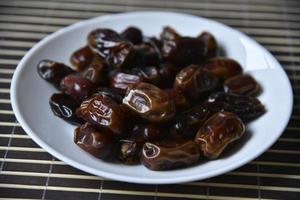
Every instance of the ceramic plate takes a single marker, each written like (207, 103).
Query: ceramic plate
(30, 96)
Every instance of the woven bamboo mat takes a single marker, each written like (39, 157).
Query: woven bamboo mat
(27, 171)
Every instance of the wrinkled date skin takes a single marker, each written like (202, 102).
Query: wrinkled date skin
(222, 67)
(159, 157)
(218, 131)
(102, 111)
(95, 141)
(188, 123)
(122, 80)
(64, 106)
(111, 93)
(242, 84)
(53, 72)
(149, 102)
(183, 51)
(195, 82)
(82, 58)
(95, 71)
(210, 44)
(110, 46)
(77, 87)
(133, 34)
(246, 107)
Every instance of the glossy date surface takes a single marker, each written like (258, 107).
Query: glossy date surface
(218, 131)
(110, 46)
(64, 106)
(102, 111)
(158, 157)
(149, 102)
(53, 72)
(97, 142)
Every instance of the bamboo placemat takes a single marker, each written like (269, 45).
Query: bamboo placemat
(27, 171)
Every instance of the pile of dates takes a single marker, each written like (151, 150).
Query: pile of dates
(166, 102)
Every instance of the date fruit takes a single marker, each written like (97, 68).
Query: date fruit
(222, 67)
(246, 107)
(242, 84)
(133, 34)
(169, 33)
(148, 74)
(95, 72)
(218, 131)
(183, 51)
(181, 102)
(111, 93)
(149, 102)
(77, 87)
(103, 112)
(53, 72)
(188, 123)
(82, 58)
(129, 151)
(110, 46)
(97, 142)
(195, 82)
(159, 157)
(64, 106)
(122, 80)
(210, 44)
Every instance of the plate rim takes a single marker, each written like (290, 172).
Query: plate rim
(125, 178)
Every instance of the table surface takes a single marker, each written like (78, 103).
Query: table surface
(27, 171)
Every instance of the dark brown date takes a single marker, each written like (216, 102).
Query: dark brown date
(222, 67)
(195, 82)
(148, 74)
(246, 107)
(210, 44)
(188, 123)
(64, 106)
(218, 131)
(149, 102)
(95, 141)
(110, 46)
(77, 87)
(122, 80)
(159, 157)
(147, 132)
(146, 54)
(82, 58)
(167, 73)
(111, 93)
(181, 102)
(129, 151)
(242, 84)
(102, 111)
(53, 72)
(95, 72)
(130, 148)
(169, 33)
(183, 51)
(133, 34)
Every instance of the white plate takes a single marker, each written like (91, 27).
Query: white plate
(30, 95)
